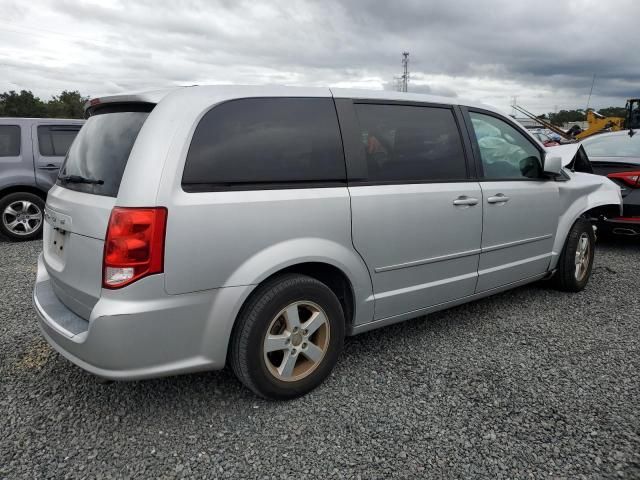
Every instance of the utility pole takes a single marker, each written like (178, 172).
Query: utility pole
(405, 71)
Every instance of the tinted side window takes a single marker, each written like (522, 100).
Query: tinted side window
(9, 140)
(262, 141)
(54, 141)
(506, 153)
(411, 143)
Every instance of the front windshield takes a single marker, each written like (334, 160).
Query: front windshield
(613, 146)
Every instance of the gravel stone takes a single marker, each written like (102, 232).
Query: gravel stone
(530, 383)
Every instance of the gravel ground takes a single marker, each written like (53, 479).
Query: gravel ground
(527, 384)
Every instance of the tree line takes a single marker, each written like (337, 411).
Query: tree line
(69, 104)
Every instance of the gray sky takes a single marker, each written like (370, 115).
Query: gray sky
(545, 52)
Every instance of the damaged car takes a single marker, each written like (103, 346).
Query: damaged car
(256, 227)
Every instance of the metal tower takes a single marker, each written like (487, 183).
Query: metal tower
(405, 71)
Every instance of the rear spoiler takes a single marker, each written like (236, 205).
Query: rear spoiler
(113, 107)
(145, 98)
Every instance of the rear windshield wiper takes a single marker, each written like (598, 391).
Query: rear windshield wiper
(79, 179)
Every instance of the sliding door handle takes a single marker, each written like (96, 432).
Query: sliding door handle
(499, 198)
(464, 200)
(49, 166)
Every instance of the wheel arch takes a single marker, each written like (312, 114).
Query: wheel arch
(330, 262)
(23, 188)
(330, 275)
(586, 209)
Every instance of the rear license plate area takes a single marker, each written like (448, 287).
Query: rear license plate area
(56, 246)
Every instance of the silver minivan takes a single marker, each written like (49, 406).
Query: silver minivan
(257, 226)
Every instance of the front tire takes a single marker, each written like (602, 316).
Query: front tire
(576, 261)
(21, 216)
(288, 337)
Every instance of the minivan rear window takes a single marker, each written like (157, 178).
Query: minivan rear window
(258, 143)
(100, 153)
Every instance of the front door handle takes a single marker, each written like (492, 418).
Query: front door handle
(464, 200)
(49, 166)
(499, 198)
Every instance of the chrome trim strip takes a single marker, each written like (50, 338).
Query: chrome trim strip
(424, 286)
(515, 243)
(513, 264)
(382, 322)
(425, 261)
(466, 253)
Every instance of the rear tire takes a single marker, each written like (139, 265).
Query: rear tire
(288, 337)
(576, 261)
(21, 216)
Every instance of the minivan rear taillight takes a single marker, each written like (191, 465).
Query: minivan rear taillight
(630, 178)
(134, 245)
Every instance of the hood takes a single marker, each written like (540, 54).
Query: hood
(573, 156)
(566, 152)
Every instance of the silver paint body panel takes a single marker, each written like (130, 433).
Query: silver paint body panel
(420, 248)
(405, 249)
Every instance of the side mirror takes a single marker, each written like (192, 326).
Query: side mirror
(553, 166)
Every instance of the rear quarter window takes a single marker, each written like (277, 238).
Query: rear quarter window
(258, 143)
(9, 140)
(55, 140)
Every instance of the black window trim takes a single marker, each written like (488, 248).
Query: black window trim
(266, 185)
(476, 147)
(118, 107)
(351, 131)
(19, 127)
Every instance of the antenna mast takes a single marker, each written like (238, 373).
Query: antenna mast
(405, 71)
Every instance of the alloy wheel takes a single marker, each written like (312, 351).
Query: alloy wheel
(296, 341)
(22, 217)
(583, 256)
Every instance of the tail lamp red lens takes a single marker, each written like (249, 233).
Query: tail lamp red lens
(134, 245)
(630, 178)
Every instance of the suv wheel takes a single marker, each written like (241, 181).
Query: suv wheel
(21, 216)
(576, 260)
(288, 337)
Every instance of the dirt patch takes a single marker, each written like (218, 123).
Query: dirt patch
(36, 356)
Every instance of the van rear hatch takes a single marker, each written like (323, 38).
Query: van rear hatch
(79, 205)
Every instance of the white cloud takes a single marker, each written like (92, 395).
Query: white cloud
(543, 53)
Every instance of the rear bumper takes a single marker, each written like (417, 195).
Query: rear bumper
(631, 203)
(140, 331)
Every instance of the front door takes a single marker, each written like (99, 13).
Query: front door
(520, 206)
(416, 213)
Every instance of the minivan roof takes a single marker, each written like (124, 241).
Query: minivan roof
(239, 91)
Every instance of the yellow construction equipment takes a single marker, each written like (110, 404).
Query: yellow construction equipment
(633, 114)
(599, 123)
